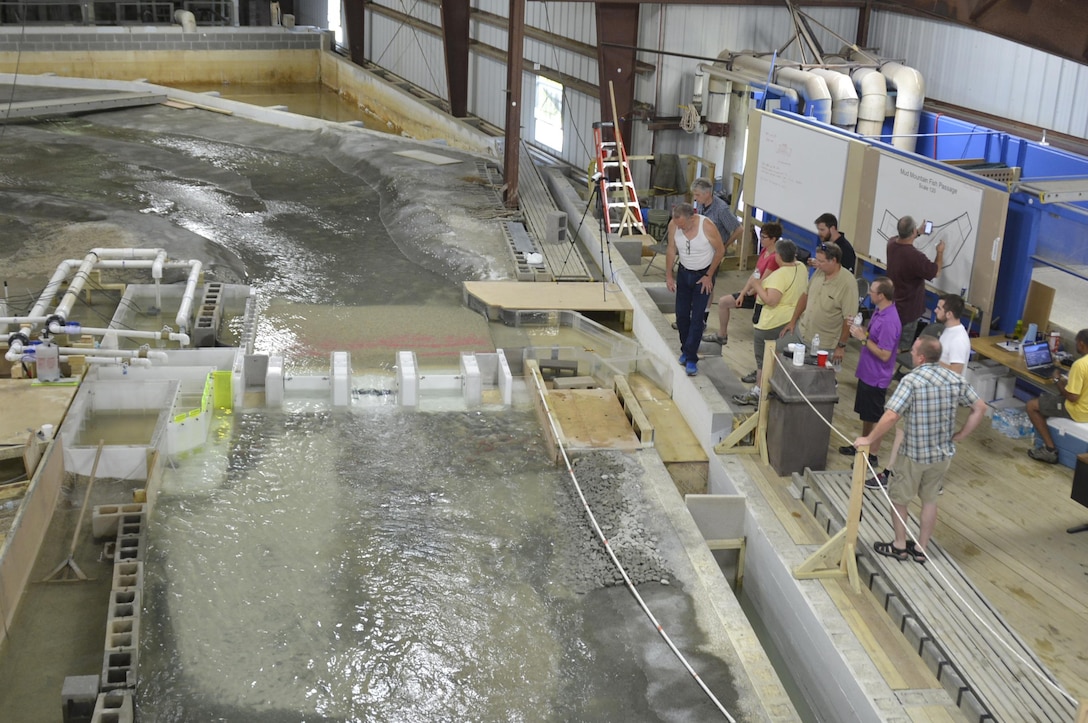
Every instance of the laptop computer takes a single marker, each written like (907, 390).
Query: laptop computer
(1038, 360)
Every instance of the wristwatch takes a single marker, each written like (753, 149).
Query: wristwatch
(841, 345)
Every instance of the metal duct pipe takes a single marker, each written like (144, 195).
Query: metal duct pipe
(874, 94)
(844, 97)
(811, 87)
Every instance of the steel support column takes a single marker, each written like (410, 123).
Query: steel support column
(355, 29)
(617, 25)
(515, 54)
(455, 16)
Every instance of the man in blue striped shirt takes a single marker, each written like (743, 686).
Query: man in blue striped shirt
(928, 398)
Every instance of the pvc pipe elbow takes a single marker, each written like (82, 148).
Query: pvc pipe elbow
(908, 82)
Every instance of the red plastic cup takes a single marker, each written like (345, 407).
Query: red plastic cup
(821, 358)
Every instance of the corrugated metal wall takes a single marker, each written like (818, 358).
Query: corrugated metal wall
(961, 66)
(990, 74)
(413, 54)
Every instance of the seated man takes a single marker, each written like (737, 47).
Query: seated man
(1070, 402)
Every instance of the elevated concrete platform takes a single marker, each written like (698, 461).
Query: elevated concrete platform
(989, 671)
(49, 107)
(491, 298)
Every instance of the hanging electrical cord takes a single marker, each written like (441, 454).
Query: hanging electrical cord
(1041, 674)
(615, 561)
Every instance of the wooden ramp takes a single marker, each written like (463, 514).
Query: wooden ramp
(492, 298)
(988, 680)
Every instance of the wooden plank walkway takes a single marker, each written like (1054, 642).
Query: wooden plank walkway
(988, 680)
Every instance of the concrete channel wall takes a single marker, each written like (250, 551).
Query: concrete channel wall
(166, 54)
(825, 657)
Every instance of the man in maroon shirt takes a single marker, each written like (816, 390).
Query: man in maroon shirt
(910, 269)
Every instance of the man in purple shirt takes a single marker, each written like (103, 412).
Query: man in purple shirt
(876, 365)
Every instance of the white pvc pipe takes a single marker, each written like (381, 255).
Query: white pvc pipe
(123, 258)
(70, 296)
(125, 333)
(137, 264)
(908, 103)
(120, 353)
(811, 87)
(749, 79)
(101, 360)
(182, 319)
(126, 253)
(874, 93)
(844, 97)
(186, 20)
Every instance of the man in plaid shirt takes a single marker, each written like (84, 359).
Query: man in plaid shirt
(928, 398)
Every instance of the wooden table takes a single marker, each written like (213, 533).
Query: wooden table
(987, 346)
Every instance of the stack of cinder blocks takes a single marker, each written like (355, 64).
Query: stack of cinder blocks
(117, 683)
(208, 316)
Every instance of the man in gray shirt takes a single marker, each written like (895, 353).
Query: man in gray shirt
(717, 210)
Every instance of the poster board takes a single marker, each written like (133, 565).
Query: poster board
(799, 170)
(968, 215)
(952, 203)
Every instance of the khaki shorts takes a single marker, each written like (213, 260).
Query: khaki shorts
(914, 479)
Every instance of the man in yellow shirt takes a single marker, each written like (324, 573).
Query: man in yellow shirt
(1071, 402)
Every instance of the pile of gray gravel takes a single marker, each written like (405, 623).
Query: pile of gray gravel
(612, 485)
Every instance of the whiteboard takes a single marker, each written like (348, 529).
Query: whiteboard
(953, 204)
(800, 170)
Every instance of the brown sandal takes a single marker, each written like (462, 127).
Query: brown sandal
(888, 549)
(915, 553)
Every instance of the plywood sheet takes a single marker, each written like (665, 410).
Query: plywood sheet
(592, 419)
(35, 405)
(1038, 305)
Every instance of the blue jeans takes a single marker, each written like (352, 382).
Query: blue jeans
(691, 303)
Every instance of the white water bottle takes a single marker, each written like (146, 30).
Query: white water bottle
(815, 345)
(858, 318)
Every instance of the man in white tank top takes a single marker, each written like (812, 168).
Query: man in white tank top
(699, 246)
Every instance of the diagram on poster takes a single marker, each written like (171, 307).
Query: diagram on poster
(925, 193)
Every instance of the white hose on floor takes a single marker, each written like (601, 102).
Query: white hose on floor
(623, 572)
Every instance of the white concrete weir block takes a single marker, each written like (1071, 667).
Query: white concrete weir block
(407, 379)
(273, 382)
(505, 379)
(472, 385)
(341, 379)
